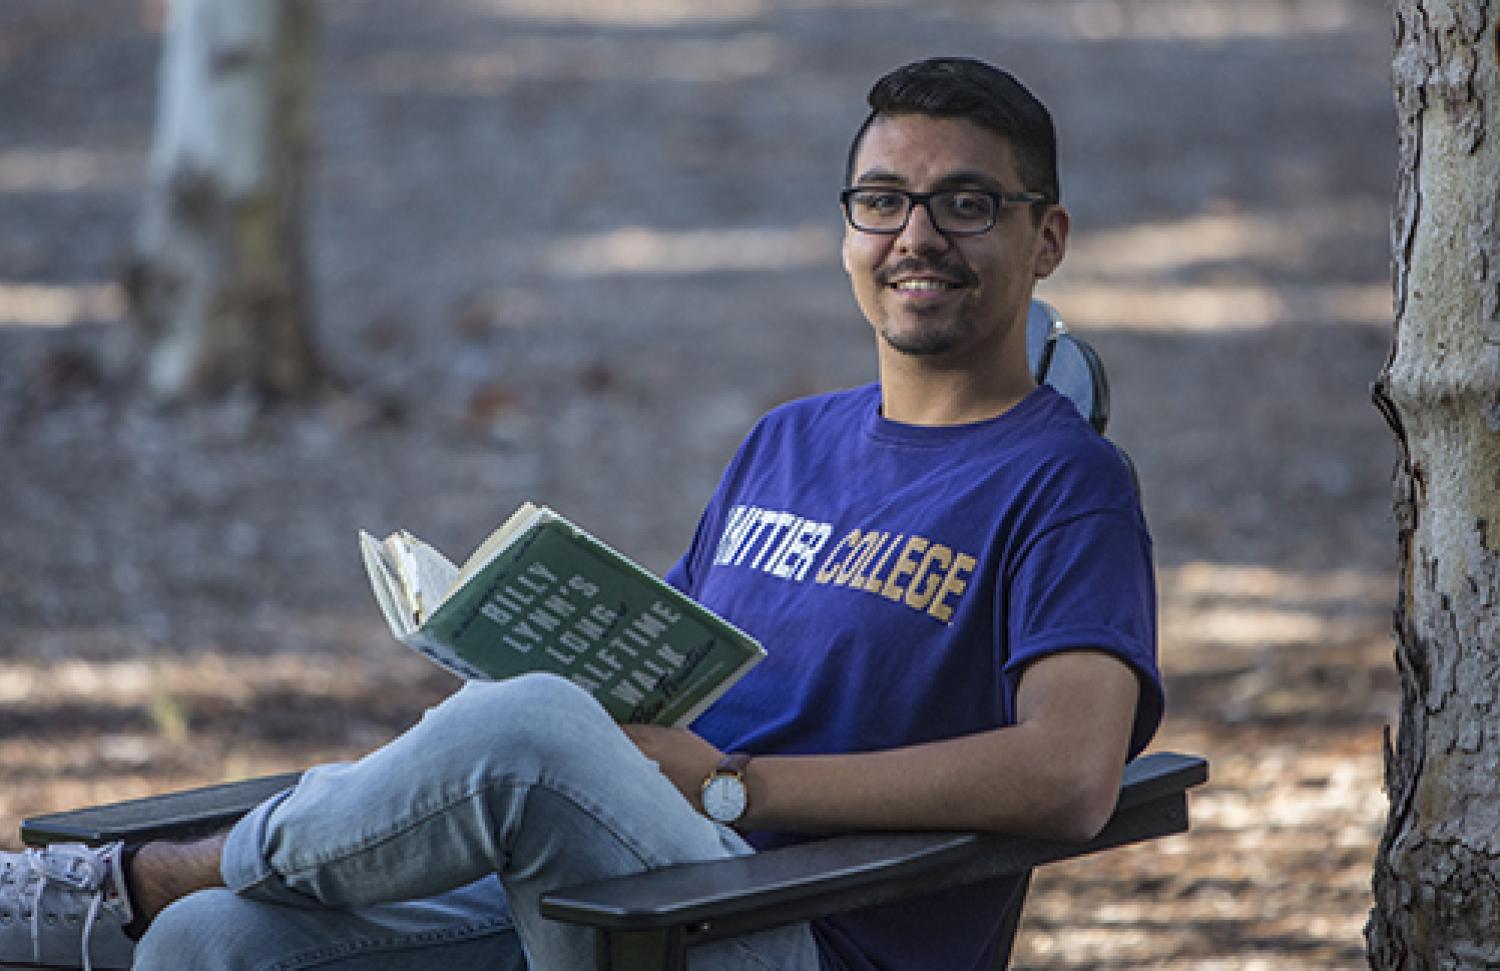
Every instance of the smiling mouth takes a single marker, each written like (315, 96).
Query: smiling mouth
(924, 285)
(926, 278)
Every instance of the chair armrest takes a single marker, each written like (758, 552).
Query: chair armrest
(723, 898)
(174, 815)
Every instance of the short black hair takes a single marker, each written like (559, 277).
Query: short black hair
(962, 87)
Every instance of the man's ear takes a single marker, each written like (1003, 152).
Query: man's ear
(1052, 241)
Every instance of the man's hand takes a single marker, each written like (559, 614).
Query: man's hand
(682, 756)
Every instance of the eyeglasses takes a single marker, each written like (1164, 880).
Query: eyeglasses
(955, 212)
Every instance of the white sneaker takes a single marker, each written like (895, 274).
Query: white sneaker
(64, 906)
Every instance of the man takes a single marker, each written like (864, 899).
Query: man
(965, 639)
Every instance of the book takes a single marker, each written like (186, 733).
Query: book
(541, 594)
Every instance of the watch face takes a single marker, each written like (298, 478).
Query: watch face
(724, 798)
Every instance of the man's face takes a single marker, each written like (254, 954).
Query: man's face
(944, 298)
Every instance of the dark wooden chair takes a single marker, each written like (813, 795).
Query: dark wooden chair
(646, 922)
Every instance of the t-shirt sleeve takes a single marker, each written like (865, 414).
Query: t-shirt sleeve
(687, 573)
(680, 575)
(1087, 584)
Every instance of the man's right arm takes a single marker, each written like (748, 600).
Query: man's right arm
(1054, 774)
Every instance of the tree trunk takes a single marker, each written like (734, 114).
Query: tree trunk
(218, 282)
(1437, 874)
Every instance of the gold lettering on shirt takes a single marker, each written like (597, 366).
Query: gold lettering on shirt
(902, 568)
(925, 582)
(831, 565)
(954, 584)
(905, 566)
(875, 583)
(852, 575)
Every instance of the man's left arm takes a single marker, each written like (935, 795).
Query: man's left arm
(1055, 773)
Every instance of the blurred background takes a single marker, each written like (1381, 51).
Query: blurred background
(569, 250)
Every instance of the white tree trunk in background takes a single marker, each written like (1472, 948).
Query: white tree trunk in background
(218, 281)
(1437, 874)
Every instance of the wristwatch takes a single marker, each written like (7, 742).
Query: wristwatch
(724, 794)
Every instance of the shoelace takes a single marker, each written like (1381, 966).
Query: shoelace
(79, 872)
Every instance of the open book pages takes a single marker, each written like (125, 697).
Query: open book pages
(412, 579)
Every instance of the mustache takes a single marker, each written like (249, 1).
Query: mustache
(950, 271)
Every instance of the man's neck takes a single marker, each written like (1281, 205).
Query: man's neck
(915, 394)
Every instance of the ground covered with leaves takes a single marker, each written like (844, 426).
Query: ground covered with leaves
(570, 250)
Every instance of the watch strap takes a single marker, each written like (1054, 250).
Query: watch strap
(733, 764)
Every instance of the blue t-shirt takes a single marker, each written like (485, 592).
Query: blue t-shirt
(901, 578)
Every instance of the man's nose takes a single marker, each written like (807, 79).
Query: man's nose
(920, 233)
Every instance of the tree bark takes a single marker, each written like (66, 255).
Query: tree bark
(1437, 872)
(218, 281)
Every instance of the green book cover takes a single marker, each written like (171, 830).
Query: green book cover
(542, 594)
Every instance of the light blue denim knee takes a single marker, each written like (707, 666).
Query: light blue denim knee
(527, 778)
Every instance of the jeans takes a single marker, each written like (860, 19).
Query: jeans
(433, 851)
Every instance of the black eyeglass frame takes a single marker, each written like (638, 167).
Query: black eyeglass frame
(924, 199)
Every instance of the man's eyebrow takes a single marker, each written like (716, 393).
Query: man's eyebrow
(881, 176)
(962, 179)
(968, 179)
